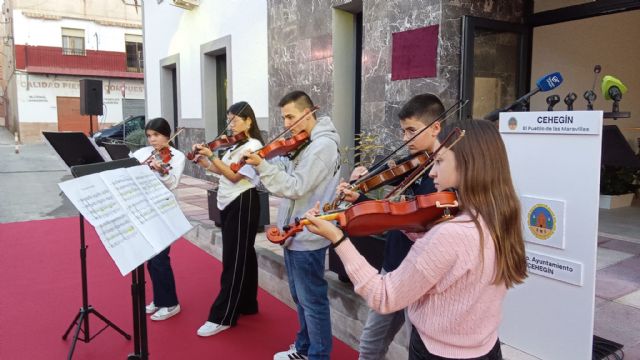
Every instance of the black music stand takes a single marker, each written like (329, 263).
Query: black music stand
(117, 151)
(73, 147)
(81, 321)
(138, 300)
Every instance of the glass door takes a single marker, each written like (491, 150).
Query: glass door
(495, 64)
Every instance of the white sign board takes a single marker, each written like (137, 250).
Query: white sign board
(555, 164)
(134, 214)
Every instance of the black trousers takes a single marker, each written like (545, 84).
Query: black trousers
(417, 350)
(239, 279)
(162, 280)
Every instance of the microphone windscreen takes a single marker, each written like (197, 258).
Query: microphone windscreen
(549, 82)
(609, 82)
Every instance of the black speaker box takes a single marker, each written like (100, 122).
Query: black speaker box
(90, 97)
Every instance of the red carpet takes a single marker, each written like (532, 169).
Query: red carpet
(40, 294)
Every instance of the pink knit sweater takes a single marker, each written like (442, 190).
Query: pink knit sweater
(448, 292)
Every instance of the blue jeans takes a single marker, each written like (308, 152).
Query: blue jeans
(308, 286)
(162, 279)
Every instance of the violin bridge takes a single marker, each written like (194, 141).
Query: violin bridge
(447, 212)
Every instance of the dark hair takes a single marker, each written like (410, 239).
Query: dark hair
(243, 110)
(300, 98)
(425, 107)
(160, 125)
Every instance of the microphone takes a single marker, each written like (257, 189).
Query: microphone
(545, 83)
(590, 95)
(569, 100)
(552, 100)
(612, 88)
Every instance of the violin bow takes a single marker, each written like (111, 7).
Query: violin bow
(420, 170)
(453, 109)
(229, 123)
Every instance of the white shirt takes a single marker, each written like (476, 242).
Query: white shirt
(172, 179)
(227, 189)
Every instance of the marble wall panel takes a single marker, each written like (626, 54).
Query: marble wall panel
(300, 51)
(186, 139)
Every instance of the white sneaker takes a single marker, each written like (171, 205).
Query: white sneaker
(210, 328)
(165, 312)
(290, 354)
(151, 308)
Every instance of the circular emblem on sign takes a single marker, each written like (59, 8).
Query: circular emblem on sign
(512, 123)
(542, 221)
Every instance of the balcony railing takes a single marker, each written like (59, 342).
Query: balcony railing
(72, 51)
(58, 60)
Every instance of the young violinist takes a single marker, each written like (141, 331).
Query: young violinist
(456, 275)
(309, 174)
(165, 299)
(239, 211)
(420, 111)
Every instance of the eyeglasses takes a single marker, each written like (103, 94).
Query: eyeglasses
(234, 120)
(409, 133)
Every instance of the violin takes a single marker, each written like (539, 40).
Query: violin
(276, 148)
(377, 216)
(220, 144)
(410, 170)
(391, 174)
(162, 156)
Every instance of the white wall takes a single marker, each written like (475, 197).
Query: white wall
(169, 30)
(37, 96)
(46, 32)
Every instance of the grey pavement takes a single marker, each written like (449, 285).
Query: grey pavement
(28, 182)
(29, 191)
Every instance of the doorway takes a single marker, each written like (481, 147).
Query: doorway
(69, 118)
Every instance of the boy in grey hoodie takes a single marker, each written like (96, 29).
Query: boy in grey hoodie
(311, 174)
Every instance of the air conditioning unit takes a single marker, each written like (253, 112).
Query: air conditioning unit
(186, 4)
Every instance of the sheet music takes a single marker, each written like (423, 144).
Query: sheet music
(130, 219)
(161, 198)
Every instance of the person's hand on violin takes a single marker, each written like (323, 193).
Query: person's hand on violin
(203, 155)
(344, 192)
(158, 166)
(322, 227)
(358, 172)
(252, 158)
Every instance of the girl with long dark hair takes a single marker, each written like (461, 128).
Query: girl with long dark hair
(240, 211)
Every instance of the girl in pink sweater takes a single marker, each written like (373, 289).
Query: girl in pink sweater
(456, 275)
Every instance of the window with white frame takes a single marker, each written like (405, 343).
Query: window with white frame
(133, 46)
(72, 41)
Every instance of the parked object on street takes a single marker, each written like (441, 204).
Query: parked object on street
(119, 131)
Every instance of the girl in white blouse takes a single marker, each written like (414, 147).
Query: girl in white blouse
(240, 211)
(165, 299)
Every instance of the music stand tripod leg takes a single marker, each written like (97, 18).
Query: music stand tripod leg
(82, 318)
